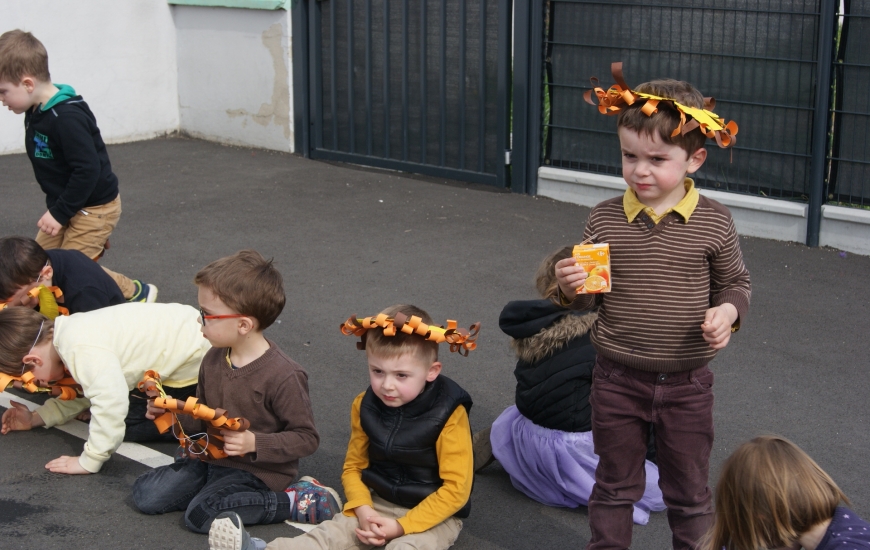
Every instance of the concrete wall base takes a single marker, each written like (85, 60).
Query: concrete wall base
(844, 228)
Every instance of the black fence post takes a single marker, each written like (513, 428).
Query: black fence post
(301, 78)
(504, 95)
(821, 119)
(528, 83)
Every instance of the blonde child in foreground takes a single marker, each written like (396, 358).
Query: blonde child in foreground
(106, 351)
(771, 494)
(679, 289)
(409, 465)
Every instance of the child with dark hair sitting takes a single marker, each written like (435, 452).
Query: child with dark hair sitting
(409, 467)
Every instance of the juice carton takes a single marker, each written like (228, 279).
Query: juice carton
(595, 260)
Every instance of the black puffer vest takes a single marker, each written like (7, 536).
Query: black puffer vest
(403, 463)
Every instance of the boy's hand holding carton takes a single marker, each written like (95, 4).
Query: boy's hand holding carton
(586, 272)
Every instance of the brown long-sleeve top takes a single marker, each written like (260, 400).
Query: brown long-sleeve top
(664, 277)
(271, 392)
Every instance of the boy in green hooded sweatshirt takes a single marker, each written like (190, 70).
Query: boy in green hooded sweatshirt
(68, 155)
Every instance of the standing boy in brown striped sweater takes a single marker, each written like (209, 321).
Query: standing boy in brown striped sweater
(679, 289)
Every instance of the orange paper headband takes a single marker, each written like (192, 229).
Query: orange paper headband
(461, 340)
(65, 389)
(619, 96)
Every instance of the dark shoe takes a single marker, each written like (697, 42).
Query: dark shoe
(313, 503)
(228, 533)
(144, 293)
(482, 449)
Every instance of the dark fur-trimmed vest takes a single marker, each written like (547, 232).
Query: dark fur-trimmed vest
(403, 463)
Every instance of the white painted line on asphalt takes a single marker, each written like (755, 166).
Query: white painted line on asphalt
(133, 451)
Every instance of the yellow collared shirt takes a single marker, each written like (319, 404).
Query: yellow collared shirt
(633, 207)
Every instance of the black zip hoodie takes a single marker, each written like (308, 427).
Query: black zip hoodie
(69, 158)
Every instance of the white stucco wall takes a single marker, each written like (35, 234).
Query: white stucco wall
(120, 55)
(235, 75)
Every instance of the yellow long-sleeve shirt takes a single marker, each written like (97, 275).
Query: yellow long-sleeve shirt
(107, 351)
(455, 467)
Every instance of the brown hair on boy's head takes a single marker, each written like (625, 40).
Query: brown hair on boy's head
(390, 347)
(21, 55)
(18, 329)
(21, 260)
(247, 283)
(545, 278)
(663, 123)
(770, 492)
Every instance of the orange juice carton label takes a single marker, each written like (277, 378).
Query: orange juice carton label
(595, 260)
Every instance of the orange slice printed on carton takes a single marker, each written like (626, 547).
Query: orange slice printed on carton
(595, 283)
(602, 272)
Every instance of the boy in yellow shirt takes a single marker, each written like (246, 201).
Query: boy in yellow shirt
(409, 465)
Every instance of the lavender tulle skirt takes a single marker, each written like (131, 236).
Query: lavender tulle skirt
(558, 468)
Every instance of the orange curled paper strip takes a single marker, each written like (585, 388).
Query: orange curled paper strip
(217, 418)
(460, 340)
(617, 97)
(65, 389)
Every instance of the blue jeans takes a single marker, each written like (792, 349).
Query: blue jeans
(205, 490)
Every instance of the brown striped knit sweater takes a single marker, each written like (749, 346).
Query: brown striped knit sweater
(664, 278)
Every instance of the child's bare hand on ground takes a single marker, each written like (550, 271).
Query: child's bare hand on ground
(66, 465)
(47, 224)
(717, 325)
(570, 277)
(239, 443)
(18, 417)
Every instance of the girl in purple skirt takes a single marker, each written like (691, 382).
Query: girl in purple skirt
(544, 442)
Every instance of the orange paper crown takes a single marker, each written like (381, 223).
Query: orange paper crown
(461, 340)
(65, 389)
(619, 96)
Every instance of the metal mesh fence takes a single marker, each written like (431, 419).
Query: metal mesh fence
(756, 57)
(850, 143)
(411, 82)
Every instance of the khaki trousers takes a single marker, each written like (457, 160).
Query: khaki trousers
(88, 232)
(338, 533)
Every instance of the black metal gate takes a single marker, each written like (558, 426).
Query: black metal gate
(408, 85)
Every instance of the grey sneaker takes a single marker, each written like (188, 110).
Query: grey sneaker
(228, 533)
(482, 449)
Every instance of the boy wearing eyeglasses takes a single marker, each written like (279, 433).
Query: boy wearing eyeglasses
(105, 352)
(248, 376)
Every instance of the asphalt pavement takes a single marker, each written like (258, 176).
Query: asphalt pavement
(352, 240)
